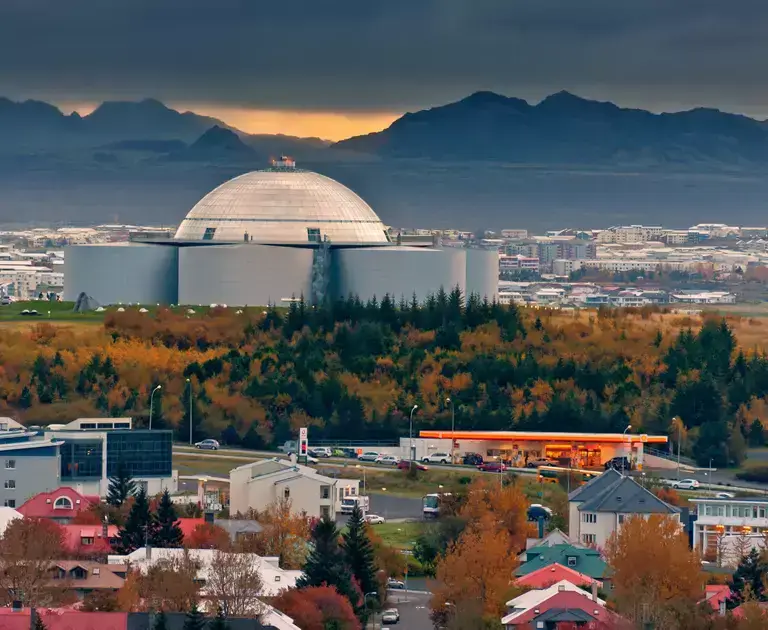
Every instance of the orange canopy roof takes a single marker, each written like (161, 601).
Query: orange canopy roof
(543, 436)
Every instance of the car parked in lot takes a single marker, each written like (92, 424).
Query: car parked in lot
(390, 616)
(211, 445)
(686, 484)
(405, 464)
(437, 458)
(374, 519)
(543, 461)
(391, 460)
(394, 584)
(472, 459)
(320, 451)
(618, 463)
(492, 467)
(368, 456)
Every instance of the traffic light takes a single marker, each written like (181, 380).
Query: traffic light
(304, 448)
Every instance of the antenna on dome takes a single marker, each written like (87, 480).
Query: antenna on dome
(284, 162)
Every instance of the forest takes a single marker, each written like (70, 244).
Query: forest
(352, 370)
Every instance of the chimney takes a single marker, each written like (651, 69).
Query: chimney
(148, 552)
(594, 591)
(209, 517)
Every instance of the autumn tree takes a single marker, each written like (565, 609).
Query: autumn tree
(208, 536)
(284, 534)
(234, 584)
(317, 608)
(100, 601)
(167, 532)
(170, 584)
(654, 570)
(29, 548)
(507, 504)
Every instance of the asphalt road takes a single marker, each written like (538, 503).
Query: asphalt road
(413, 608)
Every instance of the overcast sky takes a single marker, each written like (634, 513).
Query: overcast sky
(374, 57)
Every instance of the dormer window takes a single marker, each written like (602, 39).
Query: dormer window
(571, 561)
(63, 503)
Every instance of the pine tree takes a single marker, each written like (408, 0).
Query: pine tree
(139, 526)
(195, 619)
(167, 532)
(161, 621)
(121, 486)
(326, 563)
(750, 575)
(219, 621)
(358, 552)
(39, 625)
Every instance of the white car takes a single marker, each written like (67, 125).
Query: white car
(686, 484)
(374, 519)
(211, 445)
(390, 616)
(320, 451)
(437, 458)
(395, 584)
(392, 460)
(725, 495)
(368, 456)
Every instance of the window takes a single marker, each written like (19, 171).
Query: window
(621, 519)
(10, 484)
(143, 453)
(209, 232)
(325, 492)
(587, 539)
(572, 559)
(589, 517)
(86, 540)
(62, 503)
(287, 493)
(11, 503)
(88, 425)
(313, 235)
(325, 511)
(10, 464)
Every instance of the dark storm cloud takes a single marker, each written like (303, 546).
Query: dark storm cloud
(384, 54)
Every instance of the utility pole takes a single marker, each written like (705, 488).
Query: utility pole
(151, 399)
(410, 433)
(453, 427)
(679, 440)
(190, 411)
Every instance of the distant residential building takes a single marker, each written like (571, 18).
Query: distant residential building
(554, 573)
(562, 603)
(704, 297)
(576, 250)
(514, 234)
(724, 525)
(517, 262)
(61, 505)
(258, 484)
(565, 267)
(600, 507)
(83, 577)
(582, 559)
(715, 230)
(29, 464)
(630, 234)
(89, 540)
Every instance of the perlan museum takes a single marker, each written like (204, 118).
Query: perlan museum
(270, 236)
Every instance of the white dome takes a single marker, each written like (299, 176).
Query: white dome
(282, 206)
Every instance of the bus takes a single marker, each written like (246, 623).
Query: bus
(550, 474)
(431, 504)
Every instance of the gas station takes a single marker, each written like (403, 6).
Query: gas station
(517, 448)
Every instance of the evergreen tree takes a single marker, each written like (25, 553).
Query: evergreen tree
(39, 625)
(161, 621)
(358, 552)
(219, 621)
(121, 486)
(167, 533)
(139, 526)
(756, 433)
(195, 619)
(326, 563)
(752, 572)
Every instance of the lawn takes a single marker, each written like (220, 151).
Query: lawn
(48, 311)
(196, 464)
(400, 535)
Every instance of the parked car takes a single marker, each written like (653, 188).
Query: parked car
(312, 460)
(472, 459)
(618, 463)
(392, 460)
(492, 467)
(339, 452)
(537, 511)
(211, 445)
(374, 519)
(320, 451)
(394, 584)
(368, 456)
(437, 458)
(291, 446)
(405, 464)
(725, 495)
(544, 461)
(686, 484)
(348, 451)
(390, 616)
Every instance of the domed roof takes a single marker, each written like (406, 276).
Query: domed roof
(285, 206)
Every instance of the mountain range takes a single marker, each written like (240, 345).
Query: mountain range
(485, 161)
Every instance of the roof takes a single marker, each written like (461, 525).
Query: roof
(627, 496)
(64, 619)
(235, 526)
(281, 470)
(716, 594)
(546, 436)
(74, 534)
(541, 600)
(588, 561)
(6, 516)
(595, 486)
(554, 573)
(99, 576)
(188, 525)
(279, 206)
(62, 503)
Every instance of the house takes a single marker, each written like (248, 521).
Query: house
(257, 484)
(274, 579)
(90, 540)
(60, 505)
(555, 537)
(82, 577)
(554, 573)
(583, 560)
(716, 596)
(721, 523)
(598, 509)
(525, 610)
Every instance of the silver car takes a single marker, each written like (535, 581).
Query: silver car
(390, 616)
(212, 445)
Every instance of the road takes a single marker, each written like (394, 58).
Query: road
(413, 608)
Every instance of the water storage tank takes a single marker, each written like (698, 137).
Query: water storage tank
(122, 272)
(237, 275)
(483, 273)
(399, 271)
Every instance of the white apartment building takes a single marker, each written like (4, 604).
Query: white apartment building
(705, 297)
(257, 484)
(565, 267)
(630, 234)
(599, 508)
(643, 264)
(729, 519)
(509, 263)
(514, 234)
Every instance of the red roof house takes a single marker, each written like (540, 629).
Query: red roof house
(554, 573)
(716, 595)
(187, 525)
(563, 609)
(60, 506)
(64, 619)
(88, 539)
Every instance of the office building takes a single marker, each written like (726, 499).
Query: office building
(29, 465)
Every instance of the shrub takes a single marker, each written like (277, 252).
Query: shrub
(758, 474)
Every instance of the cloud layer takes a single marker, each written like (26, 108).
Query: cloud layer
(385, 55)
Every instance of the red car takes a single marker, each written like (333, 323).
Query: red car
(492, 467)
(404, 464)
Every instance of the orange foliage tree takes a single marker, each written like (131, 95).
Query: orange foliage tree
(317, 608)
(208, 536)
(655, 573)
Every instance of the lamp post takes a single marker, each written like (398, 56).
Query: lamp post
(410, 433)
(190, 411)
(679, 440)
(365, 485)
(629, 444)
(453, 427)
(151, 397)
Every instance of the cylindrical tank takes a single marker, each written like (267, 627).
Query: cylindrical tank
(138, 273)
(483, 273)
(240, 275)
(399, 271)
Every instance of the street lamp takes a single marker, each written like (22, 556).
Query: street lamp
(410, 433)
(453, 426)
(629, 444)
(365, 485)
(151, 397)
(190, 411)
